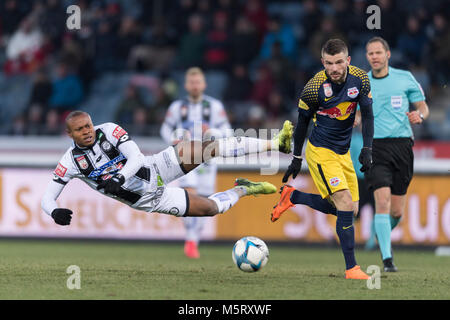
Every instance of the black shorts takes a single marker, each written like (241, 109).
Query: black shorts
(393, 165)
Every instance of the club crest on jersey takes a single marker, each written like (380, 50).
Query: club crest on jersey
(335, 181)
(82, 162)
(327, 90)
(106, 145)
(353, 92)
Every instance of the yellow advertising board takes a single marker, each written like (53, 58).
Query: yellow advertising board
(427, 218)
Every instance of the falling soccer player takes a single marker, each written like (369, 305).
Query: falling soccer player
(110, 162)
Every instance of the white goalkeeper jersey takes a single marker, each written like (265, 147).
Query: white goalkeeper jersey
(188, 120)
(112, 152)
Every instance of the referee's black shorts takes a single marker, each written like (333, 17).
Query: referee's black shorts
(393, 165)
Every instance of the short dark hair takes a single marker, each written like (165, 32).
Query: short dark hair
(75, 114)
(381, 40)
(334, 46)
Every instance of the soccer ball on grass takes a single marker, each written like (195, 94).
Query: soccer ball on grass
(250, 254)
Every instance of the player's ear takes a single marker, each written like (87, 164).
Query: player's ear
(349, 58)
(388, 54)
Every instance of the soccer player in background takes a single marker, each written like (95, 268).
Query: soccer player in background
(393, 159)
(196, 117)
(108, 161)
(330, 98)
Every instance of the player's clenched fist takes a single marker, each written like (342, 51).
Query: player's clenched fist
(62, 216)
(294, 168)
(112, 185)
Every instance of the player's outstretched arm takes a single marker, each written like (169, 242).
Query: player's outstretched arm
(61, 216)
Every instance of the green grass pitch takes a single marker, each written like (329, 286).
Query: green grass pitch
(36, 269)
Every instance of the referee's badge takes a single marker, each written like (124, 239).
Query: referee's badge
(327, 90)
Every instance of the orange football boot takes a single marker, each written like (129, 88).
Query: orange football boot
(356, 273)
(284, 203)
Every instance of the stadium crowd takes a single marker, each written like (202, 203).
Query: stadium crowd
(266, 50)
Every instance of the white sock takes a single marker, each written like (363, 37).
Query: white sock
(226, 199)
(239, 146)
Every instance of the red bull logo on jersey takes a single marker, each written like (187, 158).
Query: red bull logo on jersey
(341, 112)
(335, 181)
(353, 92)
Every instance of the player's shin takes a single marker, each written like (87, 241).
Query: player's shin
(226, 199)
(346, 234)
(239, 146)
(383, 232)
(313, 201)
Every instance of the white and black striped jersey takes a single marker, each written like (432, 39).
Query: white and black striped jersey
(185, 116)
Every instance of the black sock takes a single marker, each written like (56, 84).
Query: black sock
(346, 234)
(314, 201)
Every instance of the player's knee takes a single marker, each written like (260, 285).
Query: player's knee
(343, 200)
(396, 213)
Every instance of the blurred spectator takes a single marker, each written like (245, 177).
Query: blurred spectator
(53, 124)
(35, 120)
(256, 13)
(244, 42)
(10, 16)
(52, 21)
(67, 90)
(157, 50)
(180, 11)
(281, 68)
(341, 13)
(439, 52)
(139, 125)
(105, 57)
(132, 101)
(217, 43)
(129, 36)
(262, 86)
(25, 49)
(278, 32)
(328, 30)
(192, 44)
(391, 21)
(412, 42)
(311, 18)
(18, 126)
(204, 10)
(358, 34)
(276, 106)
(239, 85)
(256, 117)
(41, 90)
